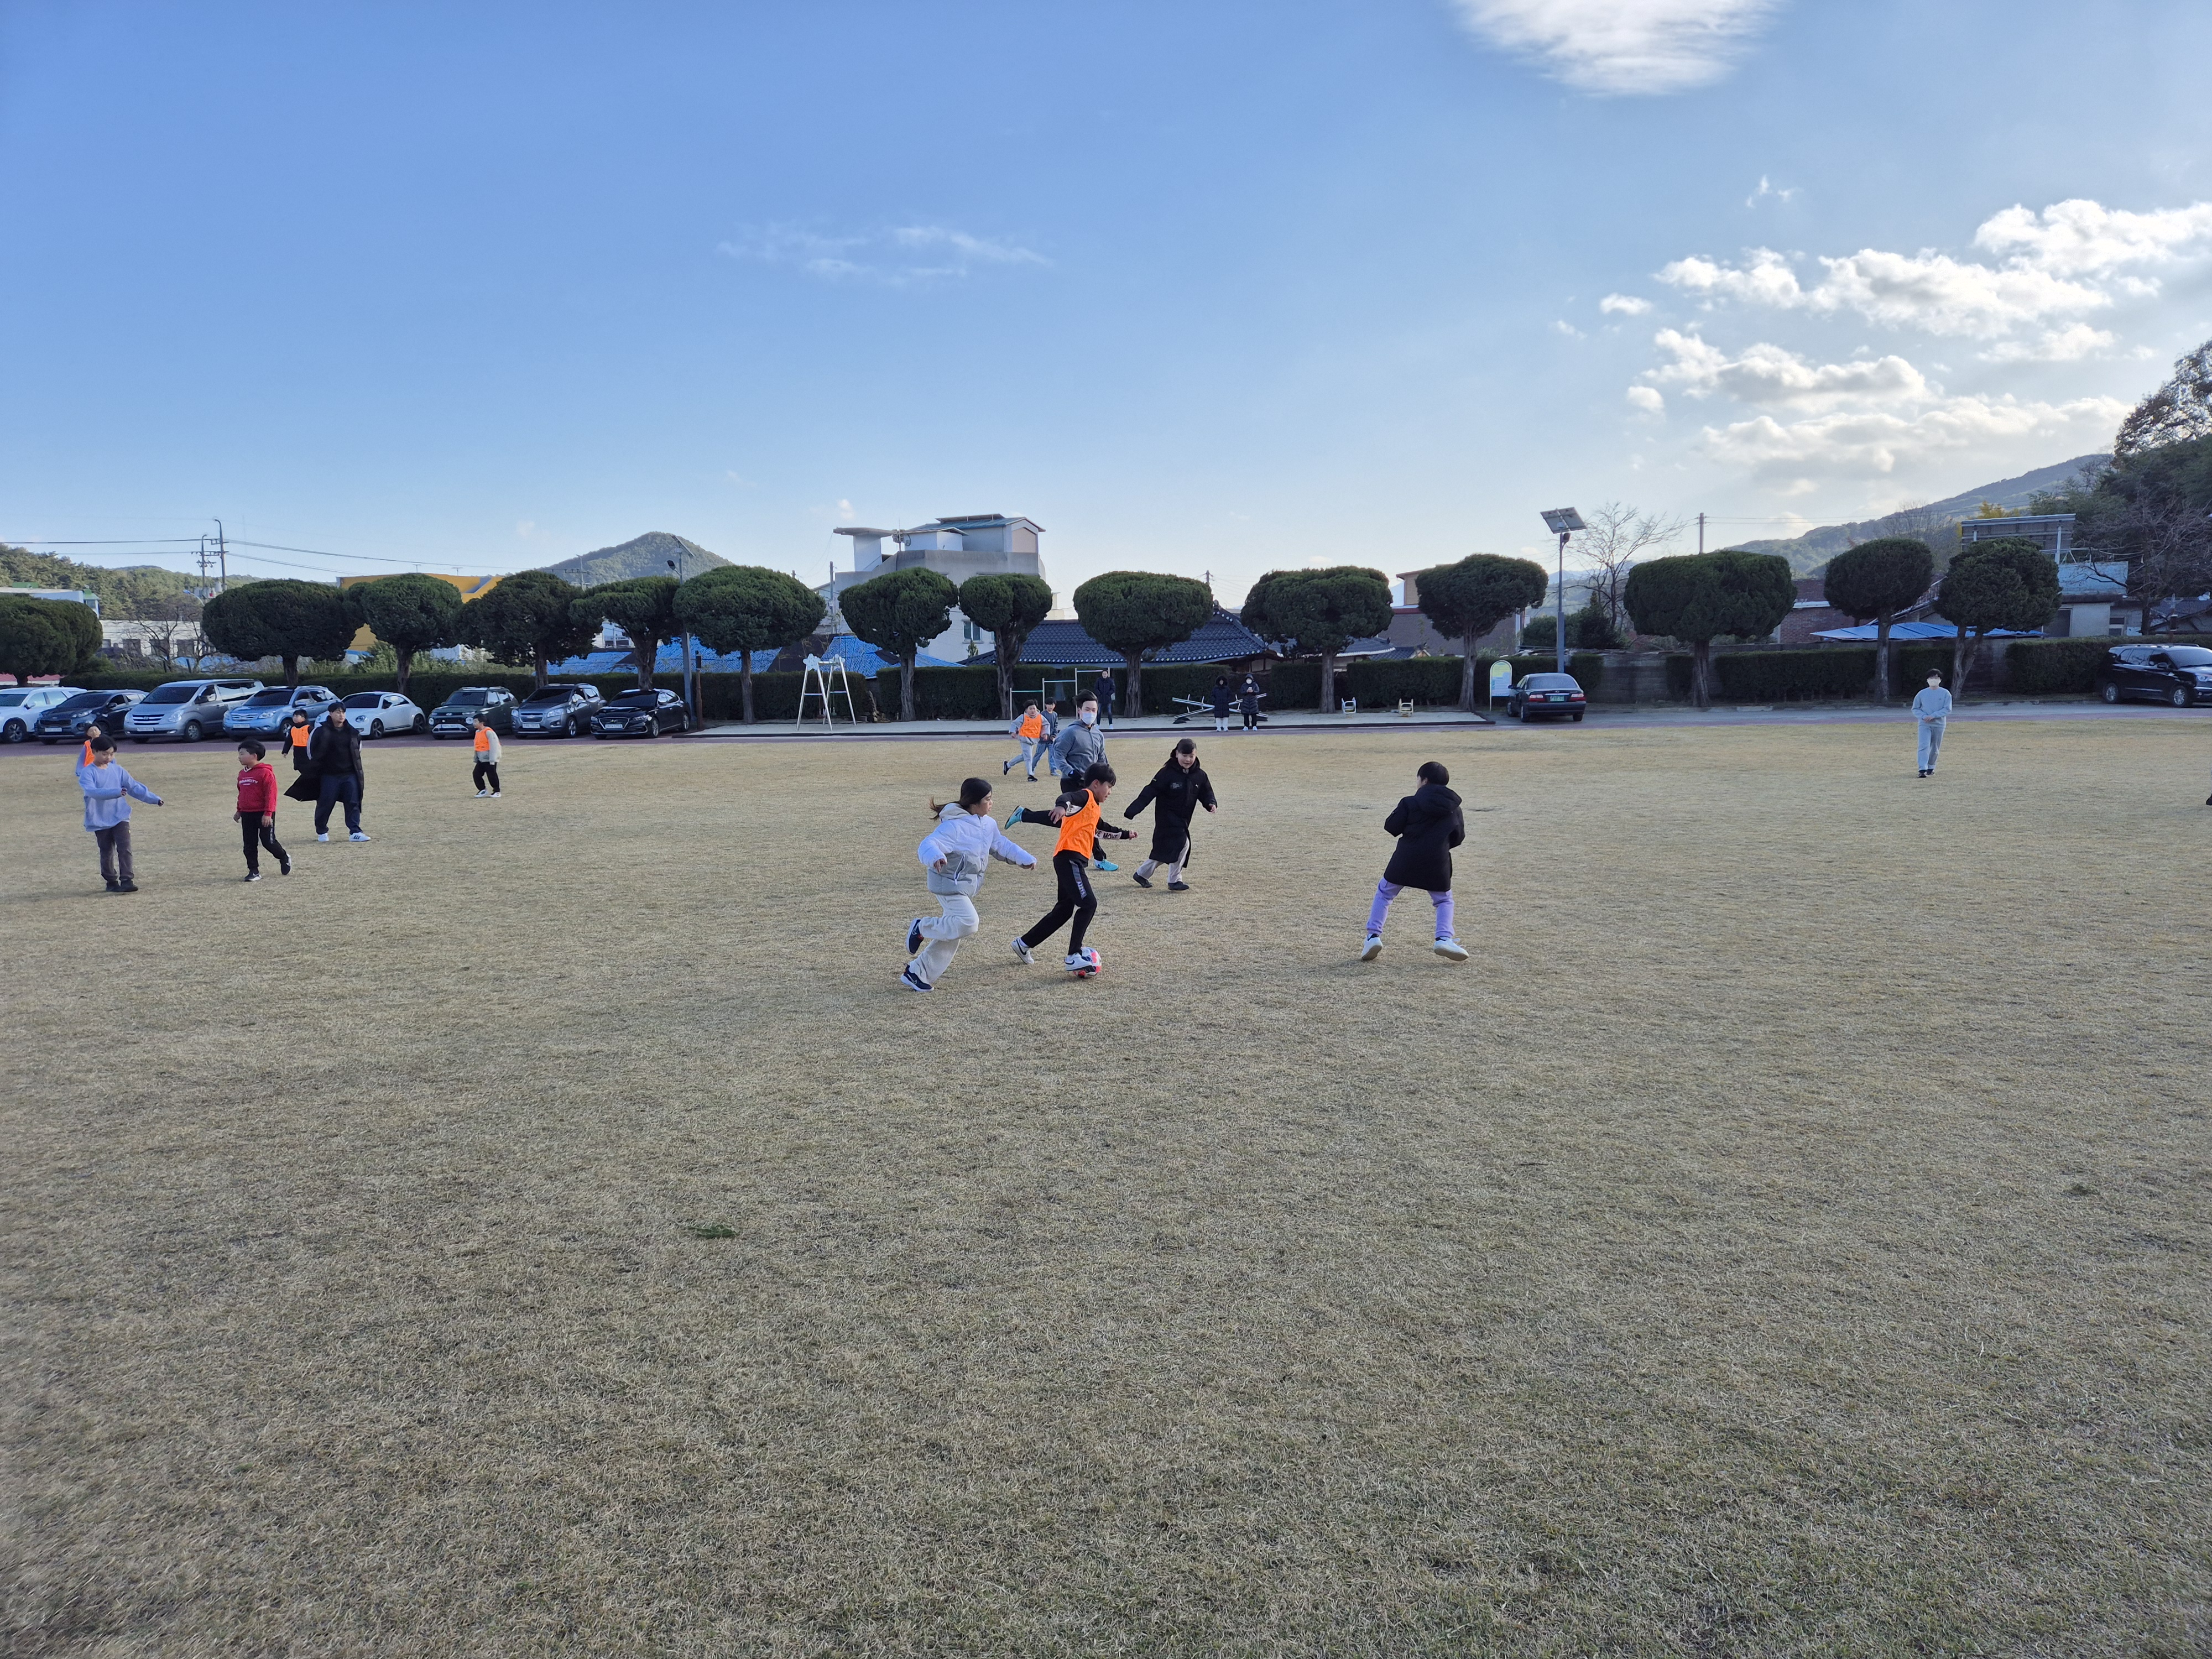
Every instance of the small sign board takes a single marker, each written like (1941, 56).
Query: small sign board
(1501, 678)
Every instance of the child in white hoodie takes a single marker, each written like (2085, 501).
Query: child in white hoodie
(956, 853)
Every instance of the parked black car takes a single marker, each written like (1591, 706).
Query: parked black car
(2179, 674)
(558, 711)
(69, 717)
(492, 704)
(641, 714)
(1547, 694)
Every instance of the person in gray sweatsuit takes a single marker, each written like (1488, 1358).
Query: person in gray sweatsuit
(1931, 708)
(956, 855)
(1080, 746)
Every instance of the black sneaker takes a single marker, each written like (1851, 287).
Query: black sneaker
(1005, 767)
(1178, 887)
(254, 875)
(913, 936)
(126, 887)
(1142, 881)
(284, 868)
(117, 886)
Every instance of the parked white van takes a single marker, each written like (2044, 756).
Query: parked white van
(187, 710)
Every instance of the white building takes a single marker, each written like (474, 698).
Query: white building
(982, 543)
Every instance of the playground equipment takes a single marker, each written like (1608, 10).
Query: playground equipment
(825, 681)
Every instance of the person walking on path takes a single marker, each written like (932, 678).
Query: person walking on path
(1223, 700)
(957, 854)
(108, 792)
(486, 753)
(1931, 708)
(1029, 733)
(1428, 824)
(1107, 692)
(1177, 789)
(335, 753)
(1080, 746)
(1077, 812)
(256, 810)
(1248, 700)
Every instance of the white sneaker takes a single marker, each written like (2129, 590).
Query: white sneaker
(1451, 950)
(1372, 948)
(481, 793)
(495, 794)
(357, 835)
(1022, 950)
(324, 836)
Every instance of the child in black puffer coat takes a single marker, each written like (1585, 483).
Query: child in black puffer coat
(1428, 825)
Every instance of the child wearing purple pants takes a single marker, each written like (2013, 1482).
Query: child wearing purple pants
(1428, 825)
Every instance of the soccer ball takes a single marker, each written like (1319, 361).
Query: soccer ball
(1088, 962)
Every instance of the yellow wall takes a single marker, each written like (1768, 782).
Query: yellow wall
(471, 588)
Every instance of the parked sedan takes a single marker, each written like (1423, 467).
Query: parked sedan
(21, 705)
(2179, 674)
(269, 711)
(1547, 694)
(492, 704)
(558, 711)
(72, 715)
(377, 714)
(641, 714)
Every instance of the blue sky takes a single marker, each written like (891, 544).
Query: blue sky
(1215, 288)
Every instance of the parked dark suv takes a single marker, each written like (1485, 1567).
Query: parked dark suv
(558, 711)
(68, 718)
(492, 704)
(2179, 674)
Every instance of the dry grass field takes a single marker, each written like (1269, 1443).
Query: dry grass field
(547, 1230)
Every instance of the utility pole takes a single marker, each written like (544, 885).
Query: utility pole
(1701, 533)
(689, 706)
(222, 559)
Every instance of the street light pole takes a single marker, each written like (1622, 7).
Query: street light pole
(1563, 522)
(690, 708)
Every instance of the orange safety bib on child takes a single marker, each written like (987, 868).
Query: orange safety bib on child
(1079, 831)
(1032, 727)
(484, 740)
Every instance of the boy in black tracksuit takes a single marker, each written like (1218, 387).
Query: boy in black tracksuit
(1177, 790)
(1428, 824)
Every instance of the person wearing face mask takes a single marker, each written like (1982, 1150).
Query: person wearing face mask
(1080, 746)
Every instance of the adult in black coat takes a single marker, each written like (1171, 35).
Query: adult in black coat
(1224, 699)
(335, 753)
(1177, 790)
(1428, 824)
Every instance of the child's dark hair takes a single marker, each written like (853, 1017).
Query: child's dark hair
(251, 748)
(972, 790)
(1433, 772)
(1186, 747)
(103, 745)
(1099, 772)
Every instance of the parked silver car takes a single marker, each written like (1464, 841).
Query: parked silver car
(558, 711)
(21, 705)
(187, 710)
(269, 712)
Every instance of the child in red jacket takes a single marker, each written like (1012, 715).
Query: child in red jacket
(256, 809)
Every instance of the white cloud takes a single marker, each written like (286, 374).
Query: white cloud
(1622, 48)
(2064, 262)
(1623, 305)
(1867, 443)
(1765, 373)
(2056, 345)
(906, 253)
(525, 527)
(1648, 399)
(1568, 329)
(2080, 238)
(1765, 190)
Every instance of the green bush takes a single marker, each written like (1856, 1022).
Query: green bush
(775, 697)
(1291, 686)
(1429, 682)
(1165, 682)
(940, 693)
(1795, 676)
(2042, 666)
(1679, 669)
(1909, 666)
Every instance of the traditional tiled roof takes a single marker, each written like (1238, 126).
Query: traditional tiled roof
(1220, 638)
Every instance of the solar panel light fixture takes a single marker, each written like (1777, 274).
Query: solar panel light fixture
(1563, 522)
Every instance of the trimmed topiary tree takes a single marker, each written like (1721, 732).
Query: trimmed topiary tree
(744, 608)
(1698, 598)
(528, 621)
(1010, 607)
(34, 640)
(2008, 582)
(898, 613)
(1468, 600)
(1874, 581)
(644, 608)
(1324, 611)
(1134, 611)
(409, 613)
(287, 620)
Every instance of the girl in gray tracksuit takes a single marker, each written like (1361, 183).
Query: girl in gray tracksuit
(956, 855)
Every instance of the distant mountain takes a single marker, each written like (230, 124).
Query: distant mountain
(1808, 553)
(646, 555)
(131, 591)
